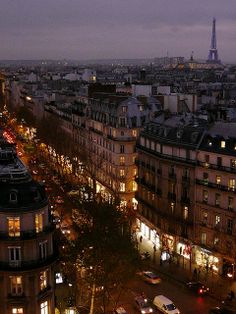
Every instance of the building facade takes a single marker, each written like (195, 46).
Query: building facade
(186, 192)
(27, 253)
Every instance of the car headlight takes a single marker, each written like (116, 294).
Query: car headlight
(151, 310)
(143, 312)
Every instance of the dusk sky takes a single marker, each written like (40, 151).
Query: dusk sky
(99, 29)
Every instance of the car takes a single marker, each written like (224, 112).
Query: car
(143, 305)
(59, 200)
(151, 277)
(165, 305)
(222, 310)
(120, 310)
(197, 287)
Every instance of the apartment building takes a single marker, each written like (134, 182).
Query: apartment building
(27, 253)
(109, 134)
(186, 191)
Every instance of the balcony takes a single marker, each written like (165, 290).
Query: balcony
(28, 265)
(217, 167)
(27, 234)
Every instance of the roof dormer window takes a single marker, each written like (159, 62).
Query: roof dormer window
(13, 196)
(222, 144)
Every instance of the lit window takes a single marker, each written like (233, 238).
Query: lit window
(233, 163)
(122, 172)
(185, 212)
(43, 280)
(216, 241)
(13, 226)
(17, 310)
(218, 179)
(39, 222)
(134, 133)
(203, 238)
(231, 184)
(222, 144)
(172, 207)
(16, 285)
(122, 160)
(205, 216)
(217, 221)
(44, 308)
(122, 187)
(135, 186)
(124, 109)
(135, 171)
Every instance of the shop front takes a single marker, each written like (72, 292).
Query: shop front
(206, 260)
(167, 247)
(148, 232)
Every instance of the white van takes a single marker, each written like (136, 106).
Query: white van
(165, 305)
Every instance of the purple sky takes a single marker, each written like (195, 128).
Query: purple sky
(92, 29)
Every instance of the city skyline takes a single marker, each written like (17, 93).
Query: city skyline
(83, 30)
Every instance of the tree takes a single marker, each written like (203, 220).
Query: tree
(104, 251)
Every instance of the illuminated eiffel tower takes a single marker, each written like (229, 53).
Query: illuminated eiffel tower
(213, 54)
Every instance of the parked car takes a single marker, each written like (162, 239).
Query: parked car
(143, 305)
(165, 305)
(120, 310)
(151, 277)
(197, 287)
(222, 310)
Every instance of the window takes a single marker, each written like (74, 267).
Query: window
(44, 308)
(218, 179)
(122, 160)
(205, 177)
(230, 203)
(13, 197)
(43, 250)
(217, 199)
(124, 109)
(14, 253)
(229, 226)
(205, 217)
(134, 133)
(216, 241)
(172, 207)
(217, 220)
(203, 238)
(231, 184)
(233, 163)
(39, 222)
(13, 226)
(135, 186)
(134, 171)
(122, 187)
(17, 310)
(185, 213)
(222, 144)
(122, 122)
(205, 196)
(219, 161)
(122, 172)
(16, 285)
(43, 279)
(122, 149)
(207, 158)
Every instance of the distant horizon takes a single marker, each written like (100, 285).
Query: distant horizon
(109, 29)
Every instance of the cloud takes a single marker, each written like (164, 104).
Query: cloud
(113, 28)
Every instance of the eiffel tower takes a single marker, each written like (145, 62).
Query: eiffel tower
(213, 54)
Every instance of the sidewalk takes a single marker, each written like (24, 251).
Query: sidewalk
(179, 271)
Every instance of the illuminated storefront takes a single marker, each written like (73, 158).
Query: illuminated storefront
(149, 233)
(184, 250)
(205, 258)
